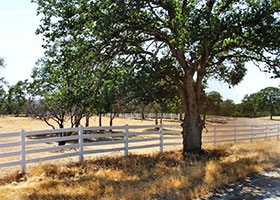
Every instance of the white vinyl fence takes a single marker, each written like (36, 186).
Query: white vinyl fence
(147, 115)
(91, 140)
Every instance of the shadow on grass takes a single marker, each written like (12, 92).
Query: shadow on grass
(170, 164)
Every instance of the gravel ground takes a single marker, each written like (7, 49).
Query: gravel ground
(265, 185)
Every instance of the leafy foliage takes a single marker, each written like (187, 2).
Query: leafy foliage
(184, 42)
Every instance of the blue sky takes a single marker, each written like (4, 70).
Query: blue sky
(21, 48)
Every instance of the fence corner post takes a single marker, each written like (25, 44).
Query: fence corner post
(126, 141)
(81, 144)
(22, 152)
(161, 137)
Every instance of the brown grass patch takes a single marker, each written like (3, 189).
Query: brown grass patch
(154, 176)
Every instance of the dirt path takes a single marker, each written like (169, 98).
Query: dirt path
(265, 185)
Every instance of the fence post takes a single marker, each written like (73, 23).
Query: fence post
(161, 137)
(126, 140)
(252, 133)
(22, 151)
(215, 133)
(234, 133)
(81, 144)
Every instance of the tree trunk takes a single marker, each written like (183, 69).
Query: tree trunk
(100, 120)
(271, 112)
(77, 119)
(156, 117)
(61, 143)
(161, 116)
(192, 124)
(143, 112)
(192, 132)
(87, 120)
(112, 116)
(111, 121)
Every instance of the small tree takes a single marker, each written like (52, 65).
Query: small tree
(248, 107)
(269, 100)
(212, 103)
(16, 98)
(228, 108)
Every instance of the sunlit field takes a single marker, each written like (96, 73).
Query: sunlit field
(139, 176)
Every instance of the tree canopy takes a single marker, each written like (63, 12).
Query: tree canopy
(187, 42)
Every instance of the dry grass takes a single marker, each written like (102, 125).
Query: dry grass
(14, 124)
(155, 176)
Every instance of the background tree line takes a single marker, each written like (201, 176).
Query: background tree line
(53, 95)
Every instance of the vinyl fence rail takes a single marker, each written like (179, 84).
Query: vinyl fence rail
(93, 140)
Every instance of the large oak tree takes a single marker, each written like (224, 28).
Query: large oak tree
(188, 41)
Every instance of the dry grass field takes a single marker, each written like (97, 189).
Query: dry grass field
(139, 176)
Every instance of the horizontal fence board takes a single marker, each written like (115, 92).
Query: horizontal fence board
(30, 151)
(103, 150)
(103, 135)
(241, 139)
(13, 134)
(262, 133)
(218, 135)
(171, 132)
(65, 155)
(103, 128)
(172, 143)
(143, 146)
(208, 136)
(55, 139)
(243, 130)
(103, 143)
(231, 140)
(259, 137)
(172, 138)
(9, 164)
(243, 134)
(9, 144)
(271, 136)
(223, 131)
(51, 131)
(9, 154)
(143, 140)
(172, 126)
(143, 126)
(143, 133)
